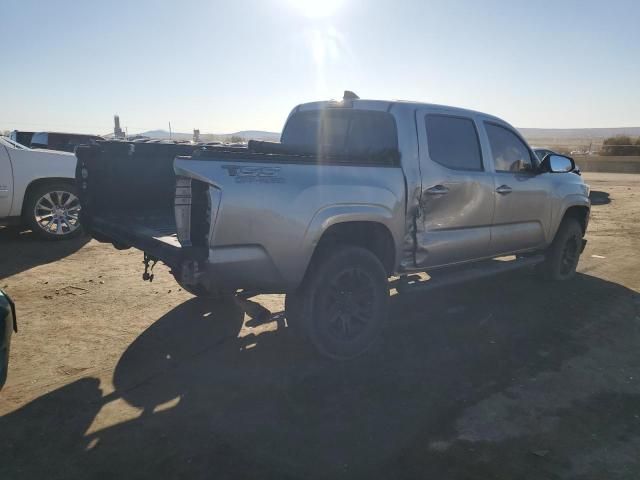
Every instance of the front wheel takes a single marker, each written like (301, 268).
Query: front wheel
(52, 211)
(343, 303)
(563, 254)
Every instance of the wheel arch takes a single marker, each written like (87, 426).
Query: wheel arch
(580, 213)
(38, 182)
(372, 235)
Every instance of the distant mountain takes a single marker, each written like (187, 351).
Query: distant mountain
(215, 137)
(258, 135)
(578, 133)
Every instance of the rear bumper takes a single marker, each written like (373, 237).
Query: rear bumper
(223, 268)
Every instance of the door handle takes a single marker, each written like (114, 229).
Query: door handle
(437, 190)
(504, 189)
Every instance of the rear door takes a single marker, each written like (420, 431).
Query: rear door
(6, 182)
(523, 206)
(457, 198)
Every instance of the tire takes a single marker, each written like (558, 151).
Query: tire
(342, 305)
(564, 253)
(51, 210)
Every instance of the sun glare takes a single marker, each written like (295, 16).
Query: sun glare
(317, 8)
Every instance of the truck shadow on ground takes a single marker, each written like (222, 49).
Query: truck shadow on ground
(21, 249)
(213, 404)
(599, 198)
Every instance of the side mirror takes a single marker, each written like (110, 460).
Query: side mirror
(555, 163)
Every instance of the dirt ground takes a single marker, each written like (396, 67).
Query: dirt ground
(112, 377)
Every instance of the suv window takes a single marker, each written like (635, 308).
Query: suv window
(453, 142)
(342, 131)
(510, 154)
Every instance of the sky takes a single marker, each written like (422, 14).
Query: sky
(225, 66)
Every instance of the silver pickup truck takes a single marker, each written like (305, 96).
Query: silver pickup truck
(357, 191)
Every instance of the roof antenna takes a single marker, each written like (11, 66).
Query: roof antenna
(349, 95)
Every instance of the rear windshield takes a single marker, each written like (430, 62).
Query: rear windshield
(342, 132)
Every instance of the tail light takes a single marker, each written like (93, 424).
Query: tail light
(196, 208)
(182, 206)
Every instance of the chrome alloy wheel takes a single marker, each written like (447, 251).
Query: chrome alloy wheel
(57, 212)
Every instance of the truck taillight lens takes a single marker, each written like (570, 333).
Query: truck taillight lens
(182, 207)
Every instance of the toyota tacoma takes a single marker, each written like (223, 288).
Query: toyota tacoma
(355, 193)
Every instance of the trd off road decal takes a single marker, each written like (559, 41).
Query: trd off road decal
(254, 174)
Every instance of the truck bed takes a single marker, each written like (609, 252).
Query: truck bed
(164, 199)
(127, 193)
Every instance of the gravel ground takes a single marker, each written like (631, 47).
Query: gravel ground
(112, 377)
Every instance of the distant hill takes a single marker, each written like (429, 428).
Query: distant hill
(574, 138)
(258, 135)
(215, 137)
(578, 133)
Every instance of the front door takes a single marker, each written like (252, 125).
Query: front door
(523, 206)
(457, 197)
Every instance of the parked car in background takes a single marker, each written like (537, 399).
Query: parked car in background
(66, 142)
(37, 188)
(8, 324)
(21, 137)
(358, 191)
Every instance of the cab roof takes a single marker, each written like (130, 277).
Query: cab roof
(388, 105)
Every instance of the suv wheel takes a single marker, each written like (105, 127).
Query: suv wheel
(563, 254)
(343, 303)
(52, 211)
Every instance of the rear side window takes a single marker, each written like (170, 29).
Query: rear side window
(342, 132)
(510, 154)
(453, 142)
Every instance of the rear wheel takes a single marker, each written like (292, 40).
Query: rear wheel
(563, 254)
(52, 211)
(343, 303)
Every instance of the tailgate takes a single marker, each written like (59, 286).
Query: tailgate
(128, 194)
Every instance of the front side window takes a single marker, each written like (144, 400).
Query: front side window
(510, 154)
(453, 142)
